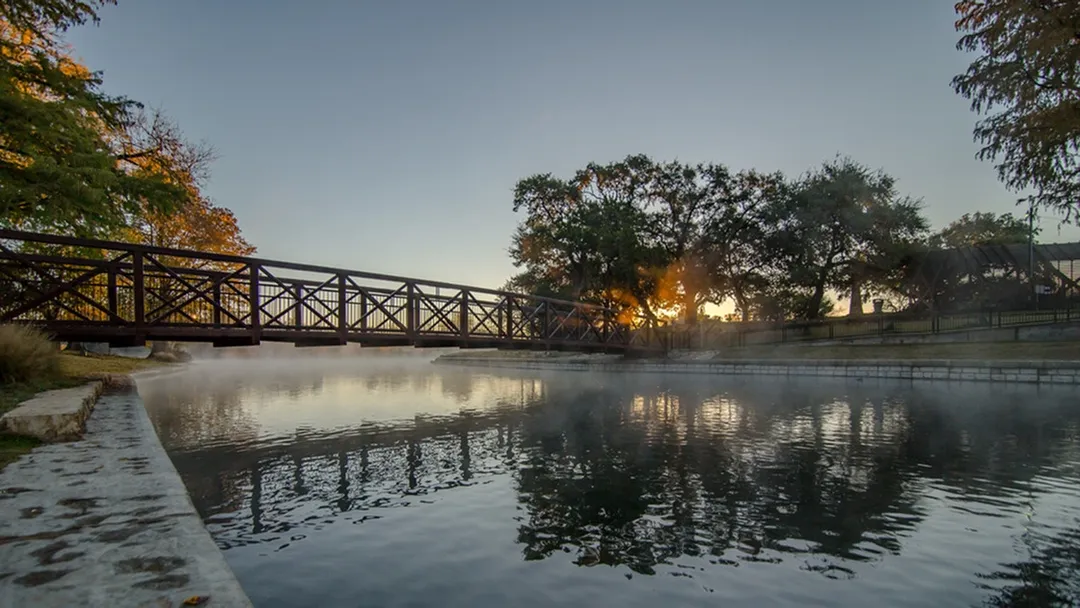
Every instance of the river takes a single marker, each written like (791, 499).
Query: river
(392, 482)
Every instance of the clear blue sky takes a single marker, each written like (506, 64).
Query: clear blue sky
(387, 136)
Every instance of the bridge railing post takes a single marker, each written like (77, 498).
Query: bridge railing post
(463, 315)
(114, 304)
(546, 333)
(298, 309)
(139, 292)
(253, 301)
(412, 310)
(363, 310)
(499, 331)
(343, 308)
(218, 304)
(508, 303)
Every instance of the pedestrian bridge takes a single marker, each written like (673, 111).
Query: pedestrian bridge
(125, 294)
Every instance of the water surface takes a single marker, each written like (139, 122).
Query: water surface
(383, 482)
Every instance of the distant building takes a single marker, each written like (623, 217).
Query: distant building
(999, 277)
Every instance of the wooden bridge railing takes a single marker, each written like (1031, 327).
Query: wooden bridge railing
(82, 289)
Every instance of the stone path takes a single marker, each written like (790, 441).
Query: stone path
(106, 521)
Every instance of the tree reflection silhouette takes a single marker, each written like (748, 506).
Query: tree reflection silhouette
(643, 494)
(647, 472)
(1049, 577)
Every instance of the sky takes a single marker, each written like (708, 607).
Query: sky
(388, 136)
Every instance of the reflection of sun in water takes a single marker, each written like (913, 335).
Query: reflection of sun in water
(720, 413)
(638, 404)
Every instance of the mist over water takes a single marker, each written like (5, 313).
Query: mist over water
(388, 481)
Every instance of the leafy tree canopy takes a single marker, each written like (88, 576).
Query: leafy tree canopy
(581, 237)
(673, 236)
(43, 17)
(76, 160)
(65, 146)
(981, 228)
(1025, 81)
(844, 227)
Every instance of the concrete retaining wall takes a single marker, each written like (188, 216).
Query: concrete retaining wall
(106, 520)
(1058, 332)
(1032, 372)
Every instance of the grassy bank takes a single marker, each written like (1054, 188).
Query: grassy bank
(30, 364)
(73, 370)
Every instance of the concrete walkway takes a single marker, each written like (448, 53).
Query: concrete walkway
(106, 521)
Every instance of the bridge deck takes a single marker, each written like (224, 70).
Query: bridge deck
(125, 294)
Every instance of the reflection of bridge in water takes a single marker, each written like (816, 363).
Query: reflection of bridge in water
(638, 474)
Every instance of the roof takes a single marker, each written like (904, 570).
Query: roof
(977, 259)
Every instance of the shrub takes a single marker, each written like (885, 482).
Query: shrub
(26, 354)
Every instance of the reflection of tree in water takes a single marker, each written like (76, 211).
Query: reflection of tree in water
(457, 386)
(1050, 576)
(999, 446)
(761, 472)
(643, 474)
(643, 494)
(1050, 573)
(187, 413)
(399, 379)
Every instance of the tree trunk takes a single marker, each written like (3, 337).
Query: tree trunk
(646, 310)
(813, 307)
(741, 303)
(690, 308)
(855, 307)
(578, 281)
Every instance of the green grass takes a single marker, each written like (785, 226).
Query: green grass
(82, 367)
(14, 446)
(71, 370)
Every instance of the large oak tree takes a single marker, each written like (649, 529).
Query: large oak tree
(843, 227)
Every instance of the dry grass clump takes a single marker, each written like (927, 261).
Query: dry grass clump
(26, 355)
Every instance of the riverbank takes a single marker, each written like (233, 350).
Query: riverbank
(106, 521)
(75, 370)
(996, 351)
(960, 362)
(1011, 351)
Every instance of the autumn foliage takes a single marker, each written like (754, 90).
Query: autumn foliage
(74, 160)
